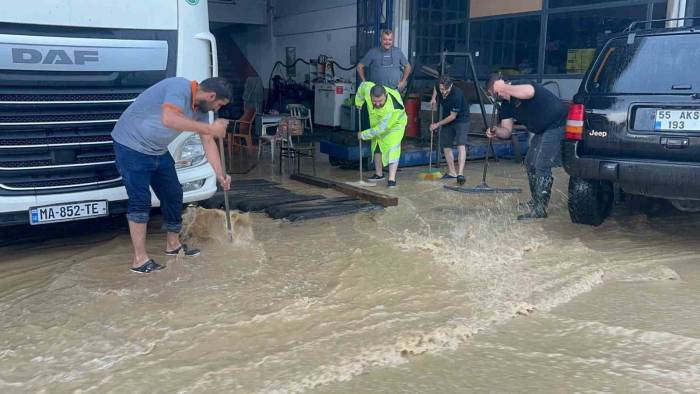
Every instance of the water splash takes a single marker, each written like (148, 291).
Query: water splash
(204, 225)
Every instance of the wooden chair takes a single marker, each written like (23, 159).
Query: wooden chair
(302, 113)
(241, 130)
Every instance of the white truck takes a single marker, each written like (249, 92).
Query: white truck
(68, 68)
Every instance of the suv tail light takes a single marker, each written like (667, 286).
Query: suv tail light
(574, 122)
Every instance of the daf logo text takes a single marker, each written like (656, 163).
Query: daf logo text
(54, 56)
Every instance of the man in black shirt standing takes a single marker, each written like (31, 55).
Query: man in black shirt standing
(544, 114)
(455, 126)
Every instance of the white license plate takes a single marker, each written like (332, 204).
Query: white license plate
(67, 212)
(680, 120)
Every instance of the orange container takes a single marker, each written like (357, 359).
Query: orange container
(412, 103)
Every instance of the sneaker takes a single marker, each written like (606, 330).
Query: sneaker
(375, 178)
(147, 267)
(188, 252)
(391, 184)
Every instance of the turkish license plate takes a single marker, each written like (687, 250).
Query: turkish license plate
(67, 212)
(680, 120)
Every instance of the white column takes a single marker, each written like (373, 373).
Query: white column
(401, 25)
(675, 9)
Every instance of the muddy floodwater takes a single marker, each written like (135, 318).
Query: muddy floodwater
(444, 293)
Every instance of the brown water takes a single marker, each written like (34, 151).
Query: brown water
(444, 293)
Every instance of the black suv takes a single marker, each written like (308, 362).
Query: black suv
(635, 123)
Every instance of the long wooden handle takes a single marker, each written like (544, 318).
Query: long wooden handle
(430, 155)
(359, 130)
(226, 206)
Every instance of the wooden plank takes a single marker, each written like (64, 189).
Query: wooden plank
(377, 198)
(368, 195)
(313, 180)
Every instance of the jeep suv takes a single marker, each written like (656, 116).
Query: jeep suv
(634, 124)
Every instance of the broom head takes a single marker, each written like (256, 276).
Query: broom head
(430, 175)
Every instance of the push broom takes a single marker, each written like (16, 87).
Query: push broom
(361, 182)
(484, 187)
(431, 173)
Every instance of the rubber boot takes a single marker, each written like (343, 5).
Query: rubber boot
(531, 179)
(543, 190)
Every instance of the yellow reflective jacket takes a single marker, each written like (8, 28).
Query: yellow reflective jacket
(387, 124)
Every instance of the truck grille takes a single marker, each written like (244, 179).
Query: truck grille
(58, 143)
(14, 120)
(31, 163)
(53, 140)
(30, 98)
(60, 183)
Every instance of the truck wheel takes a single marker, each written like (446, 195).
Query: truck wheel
(590, 202)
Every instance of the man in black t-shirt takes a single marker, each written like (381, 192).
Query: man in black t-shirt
(544, 114)
(455, 126)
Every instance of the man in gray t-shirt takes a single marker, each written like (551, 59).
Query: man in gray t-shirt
(387, 64)
(141, 138)
(141, 127)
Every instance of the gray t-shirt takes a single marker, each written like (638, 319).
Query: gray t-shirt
(385, 67)
(140, 127)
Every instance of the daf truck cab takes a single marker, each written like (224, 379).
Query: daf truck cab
(68, 69)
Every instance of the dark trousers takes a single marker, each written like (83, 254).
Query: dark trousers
(544, 152)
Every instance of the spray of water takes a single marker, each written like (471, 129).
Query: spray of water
(206, 225)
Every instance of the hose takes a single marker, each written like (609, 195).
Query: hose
(279, 63)
(287, 67)
(344, 68)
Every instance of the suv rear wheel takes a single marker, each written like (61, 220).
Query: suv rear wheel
(690, 206)
(590, 202)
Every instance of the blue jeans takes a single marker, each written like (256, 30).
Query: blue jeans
(139, 171)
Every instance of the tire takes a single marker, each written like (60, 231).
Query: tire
(590, 202)
(689, 206)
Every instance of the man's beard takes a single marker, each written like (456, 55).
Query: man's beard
(203, 106)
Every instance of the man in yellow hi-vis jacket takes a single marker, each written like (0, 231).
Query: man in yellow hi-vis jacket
(387, 121)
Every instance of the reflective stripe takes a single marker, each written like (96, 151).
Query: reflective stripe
(394, 148)
(375, 131)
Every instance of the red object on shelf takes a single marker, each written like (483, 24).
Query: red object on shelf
(412, 104)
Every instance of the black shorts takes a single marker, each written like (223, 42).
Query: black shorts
(454, 134)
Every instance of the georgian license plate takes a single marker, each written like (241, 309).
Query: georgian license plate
(680, 120)
(67, 212)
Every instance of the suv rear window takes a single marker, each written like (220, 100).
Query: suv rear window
(652, 64)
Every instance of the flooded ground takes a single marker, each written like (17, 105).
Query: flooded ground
(444, 293)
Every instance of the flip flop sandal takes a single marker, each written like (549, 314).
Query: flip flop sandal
(147, 267)
(188, 252)
(448, 176)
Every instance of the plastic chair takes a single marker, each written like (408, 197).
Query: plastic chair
(241, 130)
(302, 113)
(269, 139)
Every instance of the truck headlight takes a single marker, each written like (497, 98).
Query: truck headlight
(191, 154)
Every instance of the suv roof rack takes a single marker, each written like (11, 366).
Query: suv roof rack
(634, 24)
